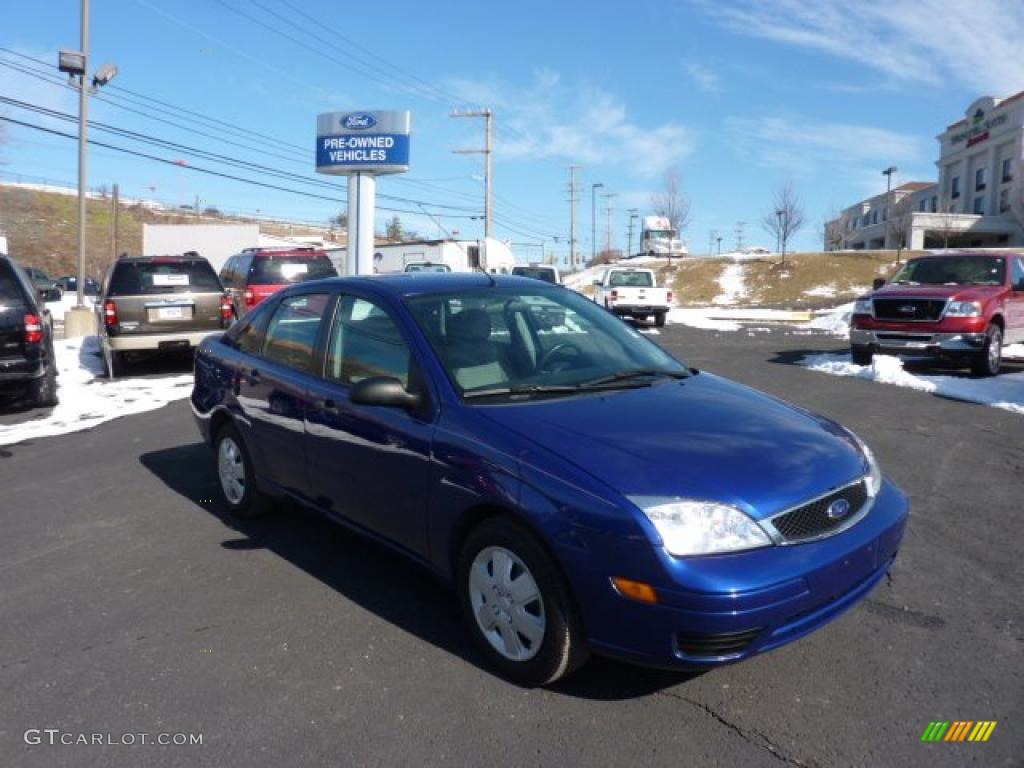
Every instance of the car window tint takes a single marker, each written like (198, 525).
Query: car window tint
(280, 270)
(1018, 273)
(291, 333)
(249, 337)
(365, 342)
(139, 278)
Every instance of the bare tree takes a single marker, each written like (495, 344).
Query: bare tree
(672, 203)
(833, 228)
(786, 216)
(946, 227)
(900, 219)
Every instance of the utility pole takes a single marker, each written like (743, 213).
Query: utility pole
(83, 141)
(114, 207)
(573, 198)
(719, 245)
(488, 152)
(739, 235)
(196, 211)
(629, 243)
(608, 210)
(593, 220)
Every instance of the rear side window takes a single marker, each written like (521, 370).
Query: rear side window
(291, 333)
(139, 278)
(282, 270)
(536, 273)
(10, 288)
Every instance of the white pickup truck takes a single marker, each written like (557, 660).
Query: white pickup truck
(634, 293)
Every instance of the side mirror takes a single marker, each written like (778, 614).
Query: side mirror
(385, 391)
(877, 283)
(597, 283)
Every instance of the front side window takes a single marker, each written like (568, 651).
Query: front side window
(366, 342)
(292, 331)
(1018, 274)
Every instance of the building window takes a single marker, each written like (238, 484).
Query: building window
(979, 180)
(921, 205)
(935, 204)
(1004, 201)
(955, 188)
(1007, 170)
(979, 205)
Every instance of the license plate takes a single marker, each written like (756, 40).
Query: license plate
(170, 313)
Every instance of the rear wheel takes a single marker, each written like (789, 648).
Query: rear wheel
(114, 361)
(988, 361)
(517, 606)
(861, 355)
(237, 477)
(659, 319)
(43, 391)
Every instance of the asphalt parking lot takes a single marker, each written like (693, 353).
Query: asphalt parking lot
(132, 604)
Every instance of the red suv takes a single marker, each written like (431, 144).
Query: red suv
(960, 305)
(254, 274)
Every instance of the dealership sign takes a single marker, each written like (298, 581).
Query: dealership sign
(979, 130)
(362, 142)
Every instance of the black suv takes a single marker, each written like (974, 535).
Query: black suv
(27, 362)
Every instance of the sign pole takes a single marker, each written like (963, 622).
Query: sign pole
(362, 193)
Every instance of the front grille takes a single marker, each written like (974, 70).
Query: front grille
(909, 309)
(903, 337)
(813, 520)
(716, 645)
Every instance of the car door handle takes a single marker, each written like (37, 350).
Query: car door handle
(327, 404)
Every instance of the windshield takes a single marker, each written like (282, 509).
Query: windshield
(953, 270)
(631, 279)
(537, 273)
(280, 270)
(515, 342)
(138, 278)
(427, 268)
(660, 234)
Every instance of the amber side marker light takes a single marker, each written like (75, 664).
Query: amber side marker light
(635, 590)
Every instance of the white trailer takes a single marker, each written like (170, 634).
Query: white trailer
(485, 254)
(658, 238)
(3, 242)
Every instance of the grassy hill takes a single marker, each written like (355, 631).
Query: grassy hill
(42, 228)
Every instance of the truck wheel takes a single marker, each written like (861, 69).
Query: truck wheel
(43, 391)
(115, 364)
(861, 355)
(990, 358)
(659, 319)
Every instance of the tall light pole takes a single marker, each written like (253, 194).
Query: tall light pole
(488, 153)
(573, 190)
(609, 211)
(719, 245)
(632, 216)
(593, 220)
(888, 172)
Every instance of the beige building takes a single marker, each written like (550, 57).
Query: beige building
(977, 202)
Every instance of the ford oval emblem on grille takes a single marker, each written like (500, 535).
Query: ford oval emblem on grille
(358, 121)
(907, 309)
(838, 509)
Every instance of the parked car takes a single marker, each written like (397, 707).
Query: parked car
(256, 273)
(426, 266)
(633, 292)
(70, 283)
(27, 361)
(158, 304)
(960, 306)
(47, 286)
(583, 490)
(545, 272)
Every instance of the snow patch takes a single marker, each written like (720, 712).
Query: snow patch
(1005, 391)
(698, 318)
(835, 321)
(88, 399)
(822, 290)
(732, 283)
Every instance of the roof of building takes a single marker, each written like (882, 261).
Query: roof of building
(999, 103)
(914, 186)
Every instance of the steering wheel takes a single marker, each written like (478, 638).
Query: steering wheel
(558, 349)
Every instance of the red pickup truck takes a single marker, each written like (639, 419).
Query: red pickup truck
(961, 306)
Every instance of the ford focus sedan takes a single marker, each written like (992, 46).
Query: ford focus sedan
(581, 489)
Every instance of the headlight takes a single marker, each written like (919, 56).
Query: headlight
(873, 479)
(690, 527)
(862, 307)
(963, 309)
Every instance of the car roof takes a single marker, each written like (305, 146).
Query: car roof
(263, 253)
(189, 256)
(409, 283)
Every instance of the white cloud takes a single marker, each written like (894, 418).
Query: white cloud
(549, 119)
(975, 43)
(706, 80)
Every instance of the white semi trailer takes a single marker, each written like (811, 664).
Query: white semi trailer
(485, 254)
(659, 239)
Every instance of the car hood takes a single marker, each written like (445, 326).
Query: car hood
(703, 437)
(960, 292)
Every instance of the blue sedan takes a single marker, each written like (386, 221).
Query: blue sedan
(583, 490)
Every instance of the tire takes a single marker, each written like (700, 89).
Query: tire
(659, 319)
(115, 364)
(43, 391)
(861, 355)
(988, 361)
(547, 612)
(236, 476)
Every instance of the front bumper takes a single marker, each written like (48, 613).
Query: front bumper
(721, 609)
(922, 343)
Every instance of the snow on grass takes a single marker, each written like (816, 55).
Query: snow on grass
(1006, 391)
(835, 321)
(88, 399)
(733, 287)
(827, 291)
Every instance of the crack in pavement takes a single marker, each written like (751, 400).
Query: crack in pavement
(748, 736)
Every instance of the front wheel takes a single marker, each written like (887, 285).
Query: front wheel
(861, 355)
(988, 361)
(517, 606)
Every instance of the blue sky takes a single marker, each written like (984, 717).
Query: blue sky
(739, 98)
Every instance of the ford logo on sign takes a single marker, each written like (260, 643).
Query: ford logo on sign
(358, 121)
(838, 509)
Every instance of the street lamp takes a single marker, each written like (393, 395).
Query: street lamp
(593, 220)
(719, 246)
(888, 172)
(76, 64)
